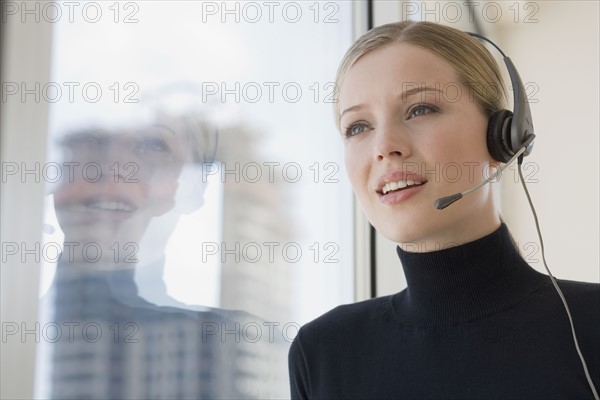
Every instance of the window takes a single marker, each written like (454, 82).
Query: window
(196, 211)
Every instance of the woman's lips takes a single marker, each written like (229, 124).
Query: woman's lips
(401, 195)
(397, 186)
(397, 179)
(101, 208)
(110, 206)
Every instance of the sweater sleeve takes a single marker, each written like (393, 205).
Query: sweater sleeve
(299, 384)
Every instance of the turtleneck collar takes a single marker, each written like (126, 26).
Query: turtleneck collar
(465, 282)
(84, 284)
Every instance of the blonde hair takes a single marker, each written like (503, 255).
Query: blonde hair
(474, 65)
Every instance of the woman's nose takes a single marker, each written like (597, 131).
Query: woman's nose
(391, 141)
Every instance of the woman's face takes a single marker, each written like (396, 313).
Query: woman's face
(134, 179)
(410, 122)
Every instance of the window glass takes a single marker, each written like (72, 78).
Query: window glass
(197, 212)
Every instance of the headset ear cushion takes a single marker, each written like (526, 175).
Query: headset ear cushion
(498, 134)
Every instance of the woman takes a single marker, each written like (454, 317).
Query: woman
(127, 180)
(475, 320)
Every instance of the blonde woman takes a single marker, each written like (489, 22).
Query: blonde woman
(476, 321)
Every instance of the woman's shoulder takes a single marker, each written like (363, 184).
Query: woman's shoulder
(353, 317)
(583, 299)
(584, 287)
(581, 293)
(576, 290)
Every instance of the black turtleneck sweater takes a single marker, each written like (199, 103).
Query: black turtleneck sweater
(475, 322)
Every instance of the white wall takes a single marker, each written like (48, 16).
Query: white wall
(560, 55)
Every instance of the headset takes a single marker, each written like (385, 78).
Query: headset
(509, 137)
(509, 134)
(508, 131)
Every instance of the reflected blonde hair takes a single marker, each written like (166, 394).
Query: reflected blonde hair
(475, 67)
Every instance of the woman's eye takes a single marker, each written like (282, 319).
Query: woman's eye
(420, 110)
(85, 140)
(355, 129)
(153, 145)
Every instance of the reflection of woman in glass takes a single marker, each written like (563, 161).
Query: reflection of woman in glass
(124, 179)
(475, 321)
(121, 345)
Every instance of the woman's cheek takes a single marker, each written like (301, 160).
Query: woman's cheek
(355, 166)
(67, 192)
(160, 196)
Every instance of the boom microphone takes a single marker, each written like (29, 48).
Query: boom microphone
(444, 202)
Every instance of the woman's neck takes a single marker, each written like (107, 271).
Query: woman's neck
(467, 281)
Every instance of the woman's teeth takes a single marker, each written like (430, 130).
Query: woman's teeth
(390, 187)
(111, 206)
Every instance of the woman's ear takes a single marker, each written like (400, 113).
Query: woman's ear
(497, 131)
(193, 181)
(165, 199)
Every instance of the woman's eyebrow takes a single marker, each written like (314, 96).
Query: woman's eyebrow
(353, 108)
(162, 127)
(404, 95)
(416, 90)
